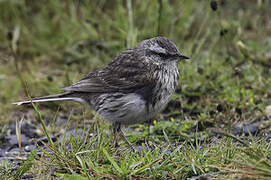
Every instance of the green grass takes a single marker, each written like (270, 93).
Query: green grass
(57, 42)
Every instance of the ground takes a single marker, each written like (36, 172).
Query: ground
(216, 126)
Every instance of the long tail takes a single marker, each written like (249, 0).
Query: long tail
(55, 97)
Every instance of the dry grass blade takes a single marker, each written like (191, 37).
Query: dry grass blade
(18, 134)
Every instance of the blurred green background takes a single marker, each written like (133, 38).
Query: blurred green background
(47, 44)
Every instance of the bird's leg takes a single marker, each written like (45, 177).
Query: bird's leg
(126, 140)
(117, 131)
(116, 127)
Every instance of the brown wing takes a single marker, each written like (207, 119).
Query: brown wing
(126, 73)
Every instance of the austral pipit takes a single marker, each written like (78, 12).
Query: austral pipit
(135, 86)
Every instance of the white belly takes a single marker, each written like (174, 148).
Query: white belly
(132, 108)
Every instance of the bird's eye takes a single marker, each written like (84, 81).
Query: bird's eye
(163, 55)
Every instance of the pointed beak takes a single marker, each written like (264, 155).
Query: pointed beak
(182, 56)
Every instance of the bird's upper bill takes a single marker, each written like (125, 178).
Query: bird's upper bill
(182, 56)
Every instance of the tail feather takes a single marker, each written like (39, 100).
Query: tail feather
(55, 97)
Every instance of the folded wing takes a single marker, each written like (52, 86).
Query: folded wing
(126, 73)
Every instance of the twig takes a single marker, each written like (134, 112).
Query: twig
(224, 133)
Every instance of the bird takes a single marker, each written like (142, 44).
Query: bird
(134, 87)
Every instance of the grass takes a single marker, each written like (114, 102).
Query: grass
(47, 46)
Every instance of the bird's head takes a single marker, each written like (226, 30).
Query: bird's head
(161, 49)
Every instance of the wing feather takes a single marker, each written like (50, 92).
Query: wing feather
(126, 73)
